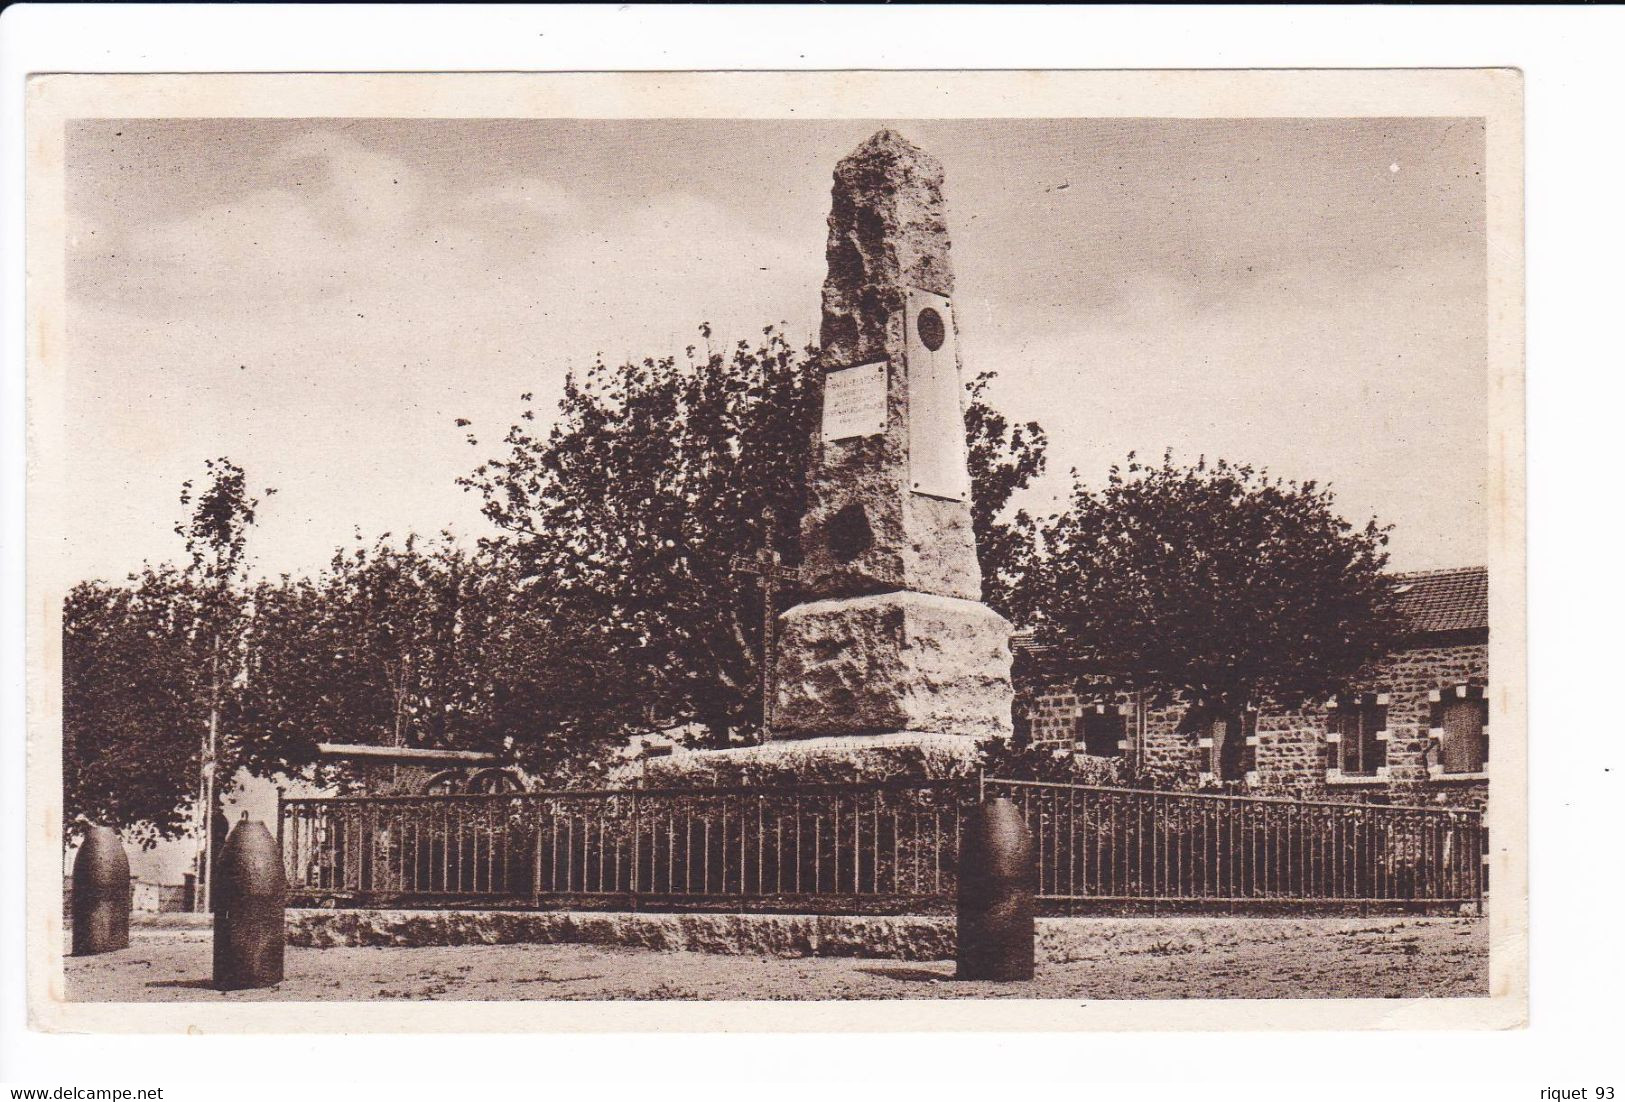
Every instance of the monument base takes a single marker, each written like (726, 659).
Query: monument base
(890, 662)
(892, 755)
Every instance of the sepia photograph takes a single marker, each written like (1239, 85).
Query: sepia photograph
(663, 540)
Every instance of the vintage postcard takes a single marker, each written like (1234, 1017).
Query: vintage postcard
(782, 551)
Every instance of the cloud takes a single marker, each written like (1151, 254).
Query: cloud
(355, 190)
(276, 245)
(526, 199)
(327, 336)
(349, 226)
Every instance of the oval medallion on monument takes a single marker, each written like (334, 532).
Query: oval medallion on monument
(932, 331)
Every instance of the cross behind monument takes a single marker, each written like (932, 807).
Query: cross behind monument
(767, 565)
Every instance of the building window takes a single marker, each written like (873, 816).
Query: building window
(1102, 730)
(1356, 736)
(1231, 743)
(1461, 731)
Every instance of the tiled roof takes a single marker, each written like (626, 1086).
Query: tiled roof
(1454, 599)
(1457, 599)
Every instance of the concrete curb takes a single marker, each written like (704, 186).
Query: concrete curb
(172, 920)
(787, 936)
(876, 937)
(889, 937)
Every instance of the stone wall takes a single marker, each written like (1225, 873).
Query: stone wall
(1052, 717)
(1291, 752)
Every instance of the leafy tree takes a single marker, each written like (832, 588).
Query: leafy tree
(632, 508)
(130, 741)
(654, 477)
(1003, 458)
(417, 644)
(382, 648)
(1214, 582)
(421, 644)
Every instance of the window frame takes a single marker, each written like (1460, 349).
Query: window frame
(1359, 704)
(1120, 745)
(1247, 758)
(1439, 700)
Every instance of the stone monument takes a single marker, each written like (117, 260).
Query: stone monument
(891, 638)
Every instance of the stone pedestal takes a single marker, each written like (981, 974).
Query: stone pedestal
(836, 759)
(900, 661)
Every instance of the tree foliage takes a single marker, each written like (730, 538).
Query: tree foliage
(380, 648)
(632, 507)
(423, 644)
(1004, 457)
(130, 695)
(1213, 581)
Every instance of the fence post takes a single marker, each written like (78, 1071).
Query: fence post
(637, 835)
(536, 857)
(281, 845)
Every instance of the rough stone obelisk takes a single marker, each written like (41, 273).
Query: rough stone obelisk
(892, 636)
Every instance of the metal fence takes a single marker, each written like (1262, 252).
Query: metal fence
(824, 846)
(866, 847)
(1105, 844)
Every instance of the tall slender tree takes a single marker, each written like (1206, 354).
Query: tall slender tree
(216, 538)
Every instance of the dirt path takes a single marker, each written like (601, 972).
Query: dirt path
(1136, 958)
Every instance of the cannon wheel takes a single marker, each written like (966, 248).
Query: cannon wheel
(492, 782)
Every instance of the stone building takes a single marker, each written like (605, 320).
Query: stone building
(1417, 732)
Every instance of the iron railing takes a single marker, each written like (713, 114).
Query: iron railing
(1106, 844)
(819, 846)
(867, 847)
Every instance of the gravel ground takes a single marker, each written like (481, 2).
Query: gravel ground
(1124, 958)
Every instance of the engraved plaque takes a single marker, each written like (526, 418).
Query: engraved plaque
(855, 401)
(936, 424)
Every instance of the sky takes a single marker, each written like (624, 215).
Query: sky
(321, 300)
